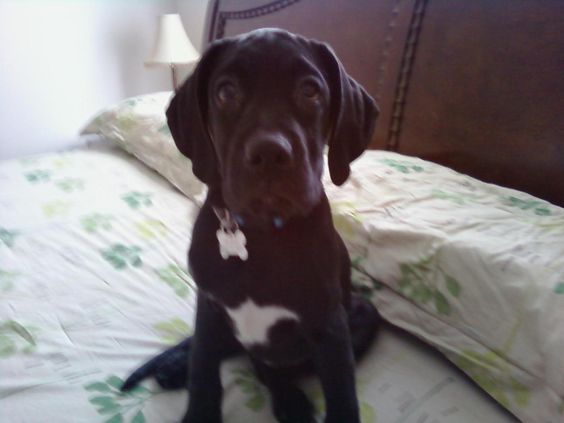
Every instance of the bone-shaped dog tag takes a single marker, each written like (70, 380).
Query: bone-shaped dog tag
(232, 244)
(231, 239)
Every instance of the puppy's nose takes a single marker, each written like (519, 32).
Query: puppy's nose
(262, 154)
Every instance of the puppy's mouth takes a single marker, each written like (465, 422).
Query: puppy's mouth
(270, 208)
(267, 203)
(267, 210)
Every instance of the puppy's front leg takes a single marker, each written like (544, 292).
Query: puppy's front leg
(208, 350)
(334, 362)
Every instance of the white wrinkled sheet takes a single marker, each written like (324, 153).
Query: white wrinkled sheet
(93, 282)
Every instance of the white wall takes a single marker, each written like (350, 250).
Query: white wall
(193, 14)
(62, 60)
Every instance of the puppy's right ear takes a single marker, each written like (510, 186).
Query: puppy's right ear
(353, 114)
(187, 117)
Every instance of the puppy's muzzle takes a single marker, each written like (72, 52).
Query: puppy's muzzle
(268, 154)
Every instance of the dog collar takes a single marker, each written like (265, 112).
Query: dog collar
(277, 222)
(232, 241)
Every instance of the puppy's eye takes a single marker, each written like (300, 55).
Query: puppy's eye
(227, 92)
(311, 90)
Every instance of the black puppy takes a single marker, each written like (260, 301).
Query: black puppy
(273, 275)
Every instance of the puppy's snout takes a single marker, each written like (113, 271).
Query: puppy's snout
(266, 153)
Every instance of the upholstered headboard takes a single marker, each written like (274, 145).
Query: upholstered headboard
(475, 85)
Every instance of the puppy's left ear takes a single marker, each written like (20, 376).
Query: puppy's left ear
(353, 115)
(187, 117)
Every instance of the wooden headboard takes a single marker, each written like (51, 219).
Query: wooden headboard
(475, 85)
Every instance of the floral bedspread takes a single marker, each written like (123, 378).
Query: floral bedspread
(93, 281)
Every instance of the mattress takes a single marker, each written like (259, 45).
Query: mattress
(93, 282)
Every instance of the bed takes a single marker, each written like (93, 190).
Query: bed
(469, 274)
(93, 282)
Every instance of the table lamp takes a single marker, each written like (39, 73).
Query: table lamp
(172, 46)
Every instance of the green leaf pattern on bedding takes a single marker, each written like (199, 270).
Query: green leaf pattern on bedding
(367, 412)
(30, 161)
(56, 208)
(538, 207)
(70, 184)
(491, 371)
(96, 221)
(150, 228)
(7, 237)
(136, 200)
(7, 280)
(180, 281)
(345, 214)
(121, 256)
(172, 331)
(118, 406)
(15, 337)
(133, 101)
(256, 395)
(426, 281)
(38, 175)
(126, 122)
(62, 162)
(403, 166)
(165, 130)
(455, 197)
(361, 281)
(559, 288)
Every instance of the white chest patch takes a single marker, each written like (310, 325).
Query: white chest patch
(253, 322)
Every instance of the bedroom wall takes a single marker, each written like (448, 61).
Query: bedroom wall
(62, 60)
(193, 13)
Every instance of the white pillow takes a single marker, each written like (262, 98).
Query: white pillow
(474, 269)
(138, 125)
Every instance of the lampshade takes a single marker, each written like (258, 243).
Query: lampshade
(172, 46)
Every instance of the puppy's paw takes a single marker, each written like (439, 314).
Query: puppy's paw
(293, 406)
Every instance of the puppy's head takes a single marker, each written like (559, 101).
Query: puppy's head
(255, 116)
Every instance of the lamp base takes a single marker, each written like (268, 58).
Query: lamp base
(174, 77)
